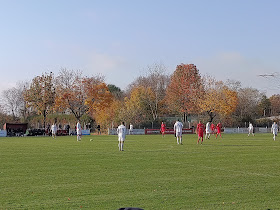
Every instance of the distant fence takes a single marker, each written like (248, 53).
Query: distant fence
(3, 133)
(168, 131)
(134, 132)
(245, 130)
(188, 131)
(149, 131)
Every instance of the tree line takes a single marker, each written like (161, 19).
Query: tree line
(147, 101)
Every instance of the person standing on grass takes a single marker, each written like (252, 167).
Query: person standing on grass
(98, 130)
(200, 130)
(178, 130)
(208, 130)
(274, 130)
(219, 128)
(251, 129)
(54, 130)
(162, 129)
(130, 129)
(79, 131)
(121, 131)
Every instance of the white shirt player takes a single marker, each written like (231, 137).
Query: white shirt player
(251, 129)
(121, 130)
(54, 129)
(178, 128)
(208, 128)
(79, 129)
(274, 130)
(130, 128)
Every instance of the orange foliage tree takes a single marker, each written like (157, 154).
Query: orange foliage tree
(70, 93)
(184, 90)
(98, 96)
(112, 115)
(40, 96)
(218, 99)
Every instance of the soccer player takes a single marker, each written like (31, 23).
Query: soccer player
(79, 131)
(54, 130)
(121, 131)
(98, 130)
(162, 129)
(213, 127)
(178, 130)
(200, 130)
(208, 130)
(219, 127)
(274, 130)
(130, 129)
(251, 129)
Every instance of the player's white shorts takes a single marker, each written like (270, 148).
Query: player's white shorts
(79, 132)
(178, 134)
(121, 138)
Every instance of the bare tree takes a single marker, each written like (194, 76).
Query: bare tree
(13, 101)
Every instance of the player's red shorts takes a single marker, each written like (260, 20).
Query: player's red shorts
(200, 134)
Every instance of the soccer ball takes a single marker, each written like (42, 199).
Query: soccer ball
(90, 139)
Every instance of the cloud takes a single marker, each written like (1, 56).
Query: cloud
(104, 63)
(6, 85)
(233, 65)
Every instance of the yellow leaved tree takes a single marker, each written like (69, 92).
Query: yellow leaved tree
(217, 99)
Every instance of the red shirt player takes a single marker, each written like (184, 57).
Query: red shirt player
(162, 129)
(200, 130)
(213, 127)
(219, 127)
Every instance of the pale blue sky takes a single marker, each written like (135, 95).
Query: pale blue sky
(228, 39)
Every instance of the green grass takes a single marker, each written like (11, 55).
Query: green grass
(236, 172)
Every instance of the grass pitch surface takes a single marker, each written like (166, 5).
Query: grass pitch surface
(236, 172)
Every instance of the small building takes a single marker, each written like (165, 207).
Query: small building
(15, 129)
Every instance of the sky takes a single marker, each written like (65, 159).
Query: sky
(226, 39)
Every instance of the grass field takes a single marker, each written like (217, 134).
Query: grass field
(237, 172)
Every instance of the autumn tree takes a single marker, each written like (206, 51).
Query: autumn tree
(112, 115)
(218, 99)
(137, 105)
(98, 96)
(185, 90)
(275, 104)
(157, 81)
(247, 108)
(264, 106)
(40, 96)
(70, 93)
